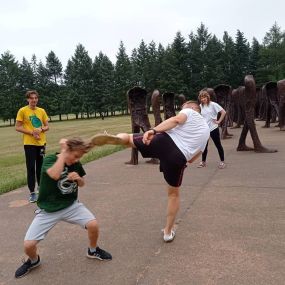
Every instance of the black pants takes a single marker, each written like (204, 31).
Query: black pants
(34, 160)
(215, 135)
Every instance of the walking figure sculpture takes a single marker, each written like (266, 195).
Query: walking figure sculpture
(137, 104)
(248, 100)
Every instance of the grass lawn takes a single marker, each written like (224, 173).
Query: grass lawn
(12, 158)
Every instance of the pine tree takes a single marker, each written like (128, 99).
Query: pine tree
(272, 54)
(241, 59)
(122, 75)
(228, 60)
(27, 76)
(79, 81)
(103, 78)
(11, 97)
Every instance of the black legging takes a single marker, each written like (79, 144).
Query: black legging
(34, 160)
(215, 135)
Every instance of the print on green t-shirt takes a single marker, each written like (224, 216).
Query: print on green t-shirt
(58, 194)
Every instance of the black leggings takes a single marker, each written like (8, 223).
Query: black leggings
(215, 135)
(34, 160)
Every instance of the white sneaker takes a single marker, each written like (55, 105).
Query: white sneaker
(222, 165)
(169, 237)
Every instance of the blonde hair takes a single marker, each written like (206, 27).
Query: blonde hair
(78, 144)
(204, 94)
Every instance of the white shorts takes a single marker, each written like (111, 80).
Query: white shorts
(77, 213)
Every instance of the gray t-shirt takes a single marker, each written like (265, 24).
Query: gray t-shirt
(192, 136)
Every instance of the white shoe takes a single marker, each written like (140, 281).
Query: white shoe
(169, 237)
(222, 165)
(201, 164)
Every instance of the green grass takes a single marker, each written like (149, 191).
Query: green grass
(12, 158)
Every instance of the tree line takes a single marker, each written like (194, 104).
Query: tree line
(89, 87)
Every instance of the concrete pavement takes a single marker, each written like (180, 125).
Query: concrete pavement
(230, 227)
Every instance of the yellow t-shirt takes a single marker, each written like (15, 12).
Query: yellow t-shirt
(31, 120)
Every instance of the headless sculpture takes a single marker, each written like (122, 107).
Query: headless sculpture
(248, 104)
(223, 92)
(155, 103)
(238, 112)
(281, 96)
(139, 118)
(272, 104)
(168, 105)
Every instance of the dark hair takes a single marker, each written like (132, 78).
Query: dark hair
(31, 92)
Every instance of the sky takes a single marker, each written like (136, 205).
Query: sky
(37, 27)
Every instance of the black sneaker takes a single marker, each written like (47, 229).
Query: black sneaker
(100, 254)
(26, 267)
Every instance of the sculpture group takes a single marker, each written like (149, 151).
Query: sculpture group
(243, 105)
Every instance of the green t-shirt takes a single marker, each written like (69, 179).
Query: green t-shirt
(59, 194)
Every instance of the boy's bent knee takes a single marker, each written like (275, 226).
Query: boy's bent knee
(30, 244)
(92, 225)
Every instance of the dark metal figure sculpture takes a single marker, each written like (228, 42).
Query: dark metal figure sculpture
(281, 96)
(223, 93)
(168, 105)
(257, 103)
(262, 105)
(155, 103)
(248, 103)
(237, 110)
(181, 100)
(139, 118)
(270, 90)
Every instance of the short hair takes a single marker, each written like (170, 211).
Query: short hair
(31, 92)
(192, 102)
(78, 144)
(204, 94)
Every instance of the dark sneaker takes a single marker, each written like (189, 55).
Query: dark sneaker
(99, 254)
(33, 197)
(26, 267)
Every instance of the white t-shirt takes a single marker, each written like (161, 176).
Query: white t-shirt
(192, 136)
(210, 112)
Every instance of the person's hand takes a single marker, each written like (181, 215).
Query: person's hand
(216, 122)
(73, 176)
(63, 145)
(36, 133)
(148, 136)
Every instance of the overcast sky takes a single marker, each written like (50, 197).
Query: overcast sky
(30, 27)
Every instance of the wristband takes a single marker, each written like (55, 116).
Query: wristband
(154, 131)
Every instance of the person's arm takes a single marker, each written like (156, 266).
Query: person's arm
(164, 126)
(223, 114)
(74, 176)
(20, 128)
(56, 169)
(45, 126)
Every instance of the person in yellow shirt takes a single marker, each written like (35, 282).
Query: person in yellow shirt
(32, 121)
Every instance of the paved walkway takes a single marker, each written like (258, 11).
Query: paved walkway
(230, 230)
